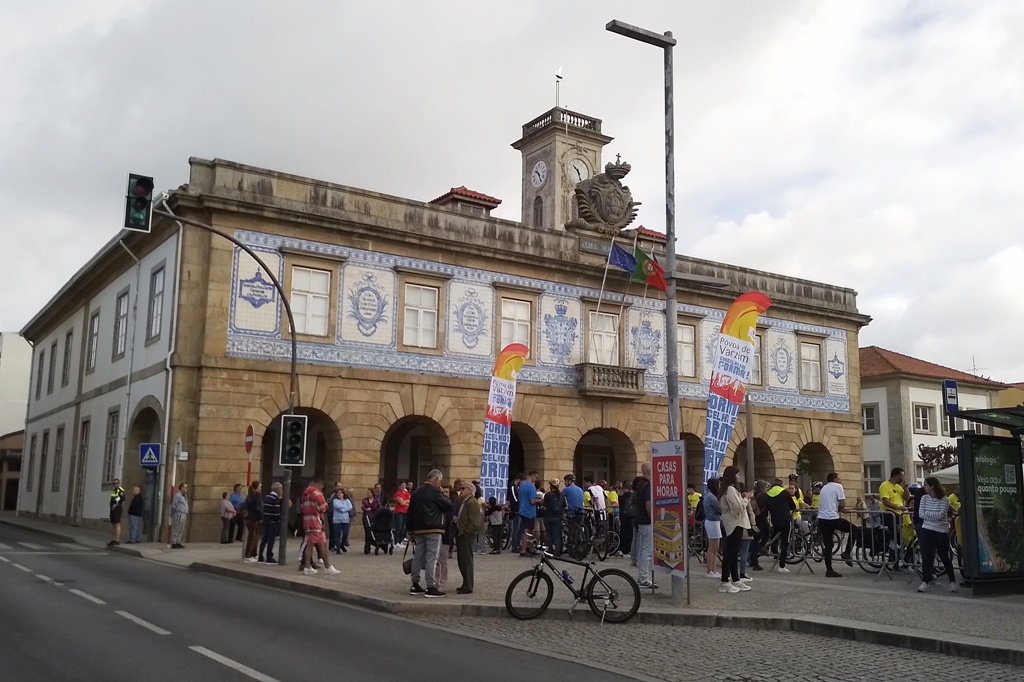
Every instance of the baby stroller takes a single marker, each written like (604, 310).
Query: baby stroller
(379, 535)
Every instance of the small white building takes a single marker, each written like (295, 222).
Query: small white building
(100, 358)
(15, 368)
(901, 409)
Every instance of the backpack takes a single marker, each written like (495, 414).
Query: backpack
(553, 504)
(698, 514)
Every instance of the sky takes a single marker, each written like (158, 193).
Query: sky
(872, 145)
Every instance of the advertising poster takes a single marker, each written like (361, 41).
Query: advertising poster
(730, 373)
(997, 505)
(498, 422)
(668, 506)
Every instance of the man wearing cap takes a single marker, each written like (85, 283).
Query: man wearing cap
(554, 508)
(573, 495)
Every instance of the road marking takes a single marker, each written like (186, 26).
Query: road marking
(24, 568)
(5, 559)
(144, 623)
(32, 545)
(72, 545)
(223, 660)
(3, 546)
(86, 595)
(44, 578)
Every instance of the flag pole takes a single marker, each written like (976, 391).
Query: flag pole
(600, 296)
(622, 306)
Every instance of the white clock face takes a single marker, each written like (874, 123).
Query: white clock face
(578, 171)
(539, 174)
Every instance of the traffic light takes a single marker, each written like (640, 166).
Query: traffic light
(138, 204)
(293, 440)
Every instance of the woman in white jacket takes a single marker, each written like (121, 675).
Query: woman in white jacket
(736, 521)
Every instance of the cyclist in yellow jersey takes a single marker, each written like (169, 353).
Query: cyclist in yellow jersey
(954, 502)
(816, 495)
(692, 497)
(893, 498)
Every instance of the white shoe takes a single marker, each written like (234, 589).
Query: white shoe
(250, 560)
(746, 579)
(781, 569)
(729, 588)
(953, 587)
(923, 587)
(714, 574)
(741, 587)
(320, 563)
(309, 571)
(331, 571)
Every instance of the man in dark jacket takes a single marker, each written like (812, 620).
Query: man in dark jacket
(780, 511)
(553, 509)
(136, 509)
(427, 507)
(271, 523)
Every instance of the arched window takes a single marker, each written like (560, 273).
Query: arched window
(538, 212)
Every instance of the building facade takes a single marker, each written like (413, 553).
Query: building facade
(400, 307)
(902, 409)
(15, 369)
(11, 447)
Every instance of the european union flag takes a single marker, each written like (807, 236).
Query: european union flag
(621, 258)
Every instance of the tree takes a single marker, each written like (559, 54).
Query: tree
(937, 457)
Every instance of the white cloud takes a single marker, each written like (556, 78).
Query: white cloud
(874, 145)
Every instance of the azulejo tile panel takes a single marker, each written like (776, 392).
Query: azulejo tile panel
(368, 321)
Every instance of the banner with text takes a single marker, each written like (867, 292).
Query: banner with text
(498, 423)
(668, 506)
(730, 373)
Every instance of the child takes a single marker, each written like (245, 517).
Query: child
(495, 522)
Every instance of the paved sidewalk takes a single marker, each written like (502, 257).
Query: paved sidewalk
(856, 606)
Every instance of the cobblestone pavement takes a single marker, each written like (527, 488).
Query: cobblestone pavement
(685, 654)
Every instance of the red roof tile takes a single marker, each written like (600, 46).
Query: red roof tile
(467, 193)
(650, 234)
(879, 362)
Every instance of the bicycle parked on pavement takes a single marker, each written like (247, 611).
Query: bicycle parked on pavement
(612, 594)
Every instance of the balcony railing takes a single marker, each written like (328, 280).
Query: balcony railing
(611, 381)
(562, 117)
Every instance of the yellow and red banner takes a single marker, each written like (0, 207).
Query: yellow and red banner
(498, 423)
(730, 372)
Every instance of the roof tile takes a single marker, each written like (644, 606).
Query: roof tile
(465, 192)
(879, 362)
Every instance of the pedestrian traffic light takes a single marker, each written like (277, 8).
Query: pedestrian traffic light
(293, 440)
(138, 204)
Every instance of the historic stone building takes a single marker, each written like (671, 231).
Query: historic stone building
(400, 307)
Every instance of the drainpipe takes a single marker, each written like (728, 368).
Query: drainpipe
(169, 369)
(129, 339)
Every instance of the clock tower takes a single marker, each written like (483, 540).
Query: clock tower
(560, 149)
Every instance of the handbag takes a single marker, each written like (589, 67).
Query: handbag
(407, 560)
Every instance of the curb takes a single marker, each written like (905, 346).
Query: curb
(64, 537)
(992, 651)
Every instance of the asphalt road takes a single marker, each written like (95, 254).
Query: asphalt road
(77, 614)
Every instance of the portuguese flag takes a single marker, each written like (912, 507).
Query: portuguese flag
(647, 271)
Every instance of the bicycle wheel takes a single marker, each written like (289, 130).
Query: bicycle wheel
(506, 534)
(613, 595)
(606, 544)
(529, 594)
(870, 560)
(579, 546)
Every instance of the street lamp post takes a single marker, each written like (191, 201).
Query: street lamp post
(287, 479)
(666, 42)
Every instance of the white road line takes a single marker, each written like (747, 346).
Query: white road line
(223, 660)
(144, 623)
(3, 546)
(86, 595)
(71, 545)
(5, 559)
(23, 568)
(44, 578)
(32, 545)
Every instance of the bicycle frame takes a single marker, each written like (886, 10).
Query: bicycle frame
(589, 573)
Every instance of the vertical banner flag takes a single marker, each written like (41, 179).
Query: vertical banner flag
(668, 506)
(730, 372)
(498, 423)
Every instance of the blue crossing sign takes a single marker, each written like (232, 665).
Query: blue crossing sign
(950, 399)
(149, 455)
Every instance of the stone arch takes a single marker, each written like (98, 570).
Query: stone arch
(323, 454)
(146, 426)
(525, 450)
(813, 463)
(606, 454)
(764, 461)
(413, 446)
(694, 459)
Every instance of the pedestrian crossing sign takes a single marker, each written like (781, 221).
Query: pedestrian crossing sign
(149, 454)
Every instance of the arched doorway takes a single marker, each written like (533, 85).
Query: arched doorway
(411, 448)
(764, 462)
(694, 460)
(323, 455)
(813, 463)
(525, 450)
(145, 428)
(605, 454)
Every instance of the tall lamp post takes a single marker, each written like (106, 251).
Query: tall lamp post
(666, 42)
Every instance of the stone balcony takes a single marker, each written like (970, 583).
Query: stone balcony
(611, 381)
